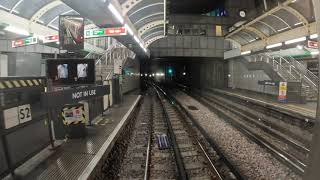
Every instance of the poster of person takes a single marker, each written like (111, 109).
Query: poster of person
(62, 70)
(82, 70)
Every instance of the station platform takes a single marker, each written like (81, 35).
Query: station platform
(77, 158)
(307, 110)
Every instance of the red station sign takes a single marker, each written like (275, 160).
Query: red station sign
(313, 44)
(50, 39)
(117, 31)
(24, 42)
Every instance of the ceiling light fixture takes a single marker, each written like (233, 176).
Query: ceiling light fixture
(300, 47)
(136, 39)
(314, 36)
(274, 45)
(17, 30)
(116, 13)
(245, 52)
(295, 40)
(128, 29)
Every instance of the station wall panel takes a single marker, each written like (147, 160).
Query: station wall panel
(23, 142)
(3, 162)
(240, 77)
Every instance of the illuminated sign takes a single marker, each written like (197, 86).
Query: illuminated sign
(313, 44)
(24, 42)
(50, 39)
(92, 33)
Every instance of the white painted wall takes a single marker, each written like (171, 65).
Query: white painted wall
(3, 65)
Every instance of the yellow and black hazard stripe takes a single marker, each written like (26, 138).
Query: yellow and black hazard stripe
(65, 122)
(20, 83)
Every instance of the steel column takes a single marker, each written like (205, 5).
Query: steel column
(312, 172)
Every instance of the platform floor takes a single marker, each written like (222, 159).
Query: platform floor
(308, 109)
(73, 157)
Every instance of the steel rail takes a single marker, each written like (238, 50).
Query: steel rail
(182, 175)
(283, 156)
(183, 111)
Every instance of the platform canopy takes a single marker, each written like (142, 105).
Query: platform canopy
(146, 18)
(286, 16)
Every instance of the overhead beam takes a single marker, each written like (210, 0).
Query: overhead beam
(149, 16)
(266, 24)
(15, 6)
(151, 34)
(128, 5)
(149, 26)
(36, 16)
(152, 40)
(297, 14)
(280, 19)
(258, 33)
(145, 7)
(275, 9)
(281, 37)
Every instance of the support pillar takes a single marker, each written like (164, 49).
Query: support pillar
(312, 172)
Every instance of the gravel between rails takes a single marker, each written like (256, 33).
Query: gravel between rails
(252, 161)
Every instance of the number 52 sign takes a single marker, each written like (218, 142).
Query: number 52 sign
(17, 115)
(24, 113)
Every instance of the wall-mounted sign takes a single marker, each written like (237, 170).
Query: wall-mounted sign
(268, 83)
(283, 87)
(70, 96)
(50, 39)
(73, 114)
(313, 44)
(24, 42)
(118, 31)
(17, 115)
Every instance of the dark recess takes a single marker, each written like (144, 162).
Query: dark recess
(194, 6)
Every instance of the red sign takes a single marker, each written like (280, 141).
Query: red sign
(50, 39)
(115, 31)
(313, 44)
(24, 42)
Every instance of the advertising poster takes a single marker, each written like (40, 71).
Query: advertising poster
(71, 35)
(283, 87)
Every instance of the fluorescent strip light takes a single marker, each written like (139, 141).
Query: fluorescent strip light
(299, 23)
(115, 13)
(17, 30)
(141, 45)
(295, 40)
(128, 29)
(315, 52)
(283, 29)
(245, 52)
(314, 36)
(136, 39)
(274, 45)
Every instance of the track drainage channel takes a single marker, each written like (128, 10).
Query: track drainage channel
(193, 108)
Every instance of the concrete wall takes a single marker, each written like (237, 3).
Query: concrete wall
(3, 65)
(131, 78)
(240, 77)
(24, 64)
(188, 46)
(206, 73)
(193, 36)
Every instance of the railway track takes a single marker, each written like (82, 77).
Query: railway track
(288, 150)
(164, 145)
